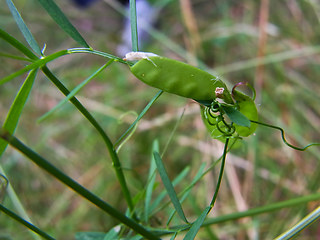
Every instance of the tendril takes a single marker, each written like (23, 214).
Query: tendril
(215, 112)
(284, 139)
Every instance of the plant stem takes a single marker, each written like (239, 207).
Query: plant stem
(95, 124)
(25, 223)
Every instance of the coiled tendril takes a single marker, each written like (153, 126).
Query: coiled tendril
(216, 112)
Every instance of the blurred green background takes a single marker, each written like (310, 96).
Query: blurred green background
(274, 45)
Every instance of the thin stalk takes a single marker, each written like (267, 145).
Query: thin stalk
(65, 179)
(283, 137)
(134, 27)
(95, 124)
(223, 162)
(25, 223)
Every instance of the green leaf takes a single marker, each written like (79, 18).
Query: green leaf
(175, 181)
(191, 234)
(58, 16)
(188, 189)
(36, 64)
(169, 187)
(75, 91)
(151, 181)
(17, 44)
(144, 111)
(23, 28)
(248, 108)
(17, 106)
(236, 116)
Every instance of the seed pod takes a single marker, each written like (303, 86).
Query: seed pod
(179, 78)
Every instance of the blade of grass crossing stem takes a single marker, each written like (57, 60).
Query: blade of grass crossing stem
(23, 28)
(191, 234)
(162, 195)
(301, 225)
(25, 223)
(58, 16)
(151, 181)
(35, 64)
(17, 44)
(169, 187)
(113, 154)
(17, 106)
(75, 186)
(144, 111)
(75, 91)
(134, 28)
(187, 190)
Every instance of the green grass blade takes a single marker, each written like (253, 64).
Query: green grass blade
(191, 234)
(151, 181)
(25, 223)
(17, 44)
(15, 57)
(162, 195)
(169, 187)
(57, 15)
(23, 28)
(187, 190)
(17, 106)
(134, 28)
(75, 91)
(144, 111)
(301, 225)
(36, 64)
(66, 180)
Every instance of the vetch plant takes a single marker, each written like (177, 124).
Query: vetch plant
(229, 116)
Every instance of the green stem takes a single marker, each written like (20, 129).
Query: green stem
(95, 124)
(18, 45)
(65, 179)
(134, 27)
(99, 53)
(25, 223)
(223, 162)
(283, 137)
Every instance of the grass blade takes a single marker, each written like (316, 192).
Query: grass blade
(151, 180)
(169, 187)
(187, 190)
(23, 28)
(144, 111)
(191, 234)
(17, 106)
(36, 64)
(17, 44)
(162, 195)
(58, 16)
(75, 91)
(25, 223)
(301, 225)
